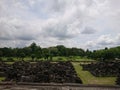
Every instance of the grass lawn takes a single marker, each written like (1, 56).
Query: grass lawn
(88, 78)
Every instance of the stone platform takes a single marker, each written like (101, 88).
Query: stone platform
(54, 86)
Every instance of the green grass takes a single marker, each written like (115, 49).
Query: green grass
(88, 78)
(78, 58)
(71, 58)
(57, 58)
(9, 62)
(2, 78)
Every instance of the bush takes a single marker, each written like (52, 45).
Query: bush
(70, 58)
(60, 59)
(1, 59)
(10, 59)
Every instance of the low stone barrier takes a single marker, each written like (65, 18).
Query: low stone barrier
(54, 86)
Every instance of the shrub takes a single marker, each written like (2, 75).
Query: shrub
(60, 58)
(1, 59)
(10, 59)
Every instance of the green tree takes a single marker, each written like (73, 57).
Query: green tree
(61, 50)
(53, 51)
(33, 57)
(1, 53)
(33, 47)
(88, 53)
(22, 55)
(45, 53)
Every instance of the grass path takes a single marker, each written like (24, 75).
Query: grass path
(88, 78)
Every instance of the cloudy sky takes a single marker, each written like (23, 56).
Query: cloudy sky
(91, 24)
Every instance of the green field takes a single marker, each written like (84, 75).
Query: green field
(88, 78)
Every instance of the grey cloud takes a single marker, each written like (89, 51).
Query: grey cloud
(57, 5)
(56, 21)
(5, 31)
(11, 29)
(88, 30)
(89, 3)
(14, 43)
(104, 41)
(25, 37)
(57, 31)
(117, 39)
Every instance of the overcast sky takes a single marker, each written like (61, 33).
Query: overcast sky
(91, 24)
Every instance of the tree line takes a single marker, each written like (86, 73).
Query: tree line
(35, 51)
(106, 54)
